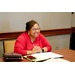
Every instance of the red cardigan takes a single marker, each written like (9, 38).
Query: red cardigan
(24, 43)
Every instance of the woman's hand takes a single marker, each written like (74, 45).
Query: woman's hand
(39, 50)
(36, 49)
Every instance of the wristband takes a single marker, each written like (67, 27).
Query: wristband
(42, 50)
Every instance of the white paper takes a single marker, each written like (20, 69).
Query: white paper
(56, 60)
(47, 55)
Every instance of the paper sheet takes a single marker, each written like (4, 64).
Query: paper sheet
(47, 55)
(56, 60)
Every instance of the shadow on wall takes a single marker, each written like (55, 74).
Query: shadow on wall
(5, 26)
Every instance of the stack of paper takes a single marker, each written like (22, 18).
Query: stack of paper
(57, 60)
(46, 56)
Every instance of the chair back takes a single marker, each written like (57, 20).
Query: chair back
(9, 46)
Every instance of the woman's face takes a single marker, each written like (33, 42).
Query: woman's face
(34, 31)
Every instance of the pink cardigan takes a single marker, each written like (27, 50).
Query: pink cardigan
(23, 43)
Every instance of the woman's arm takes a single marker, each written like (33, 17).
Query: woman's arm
(45, 49)
(20, 45)
(46, 45)
(39, 50)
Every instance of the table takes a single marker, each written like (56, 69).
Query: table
(67, 53)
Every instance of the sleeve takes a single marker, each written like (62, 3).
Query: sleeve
(20, 45)
(46, 43)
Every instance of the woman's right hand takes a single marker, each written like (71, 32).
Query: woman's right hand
(34, 50)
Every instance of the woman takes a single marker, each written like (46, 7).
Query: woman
(32, 41)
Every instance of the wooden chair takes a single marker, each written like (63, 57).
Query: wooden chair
(8, 46)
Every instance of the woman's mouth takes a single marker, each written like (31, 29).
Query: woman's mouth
(36, 34)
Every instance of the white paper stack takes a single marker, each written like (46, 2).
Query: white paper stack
(56, 60)
(46, 56)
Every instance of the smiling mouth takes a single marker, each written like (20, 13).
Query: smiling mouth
(36, 34)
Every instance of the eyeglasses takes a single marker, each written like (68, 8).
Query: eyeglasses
(35, 29)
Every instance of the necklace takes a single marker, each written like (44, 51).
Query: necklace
(32, 41)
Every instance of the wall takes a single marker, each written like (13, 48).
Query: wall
(73, 19)
(1, 49)
(59, 41)
(15, 21)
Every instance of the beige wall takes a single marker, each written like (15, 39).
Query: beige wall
(73, 19)
(1, 49)
(59, 41)
(15, 21)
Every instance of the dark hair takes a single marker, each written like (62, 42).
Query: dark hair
(30, 24)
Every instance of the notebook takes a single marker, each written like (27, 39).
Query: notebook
(44, 56)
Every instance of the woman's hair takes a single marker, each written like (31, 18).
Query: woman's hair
(30, 24)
